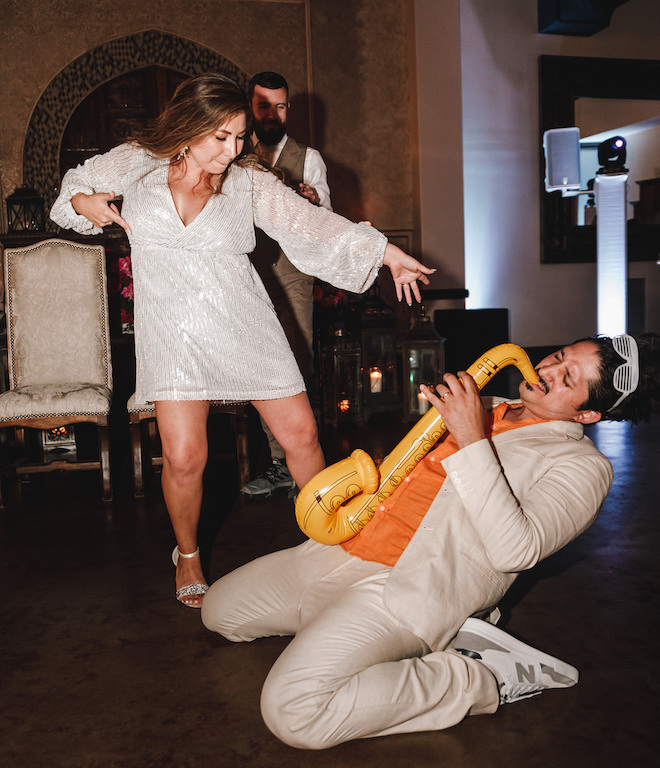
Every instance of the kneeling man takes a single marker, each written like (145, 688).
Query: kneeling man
(386, 639)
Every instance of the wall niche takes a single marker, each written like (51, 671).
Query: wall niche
(115, 110)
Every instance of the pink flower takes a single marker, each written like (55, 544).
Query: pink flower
(328, 297)
(127, 292)
(125, 266)
(329, 301)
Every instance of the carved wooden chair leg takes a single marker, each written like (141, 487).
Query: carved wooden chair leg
(2, 497)
(138, 461)
(104, 457)
(242, 452)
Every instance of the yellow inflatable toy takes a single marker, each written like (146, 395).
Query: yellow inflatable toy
(341, 499)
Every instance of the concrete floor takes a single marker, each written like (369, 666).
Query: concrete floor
(101, 668)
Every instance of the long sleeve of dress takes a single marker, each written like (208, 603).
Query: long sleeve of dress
(101, 173)
(317, 241)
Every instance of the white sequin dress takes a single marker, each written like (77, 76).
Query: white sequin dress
(205, 328)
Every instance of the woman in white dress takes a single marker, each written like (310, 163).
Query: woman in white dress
(205, 328)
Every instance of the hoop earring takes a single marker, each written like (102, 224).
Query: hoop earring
(183, 153)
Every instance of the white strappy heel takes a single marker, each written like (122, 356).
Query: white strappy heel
(196, 588)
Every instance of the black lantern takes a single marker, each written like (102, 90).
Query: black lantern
(423, 363)
(58, 440)
(341, 380)
(25, 211)
(380, 386)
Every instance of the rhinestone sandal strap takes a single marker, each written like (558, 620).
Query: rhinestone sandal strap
(191, 589)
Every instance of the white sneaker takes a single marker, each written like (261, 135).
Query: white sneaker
(521, 671)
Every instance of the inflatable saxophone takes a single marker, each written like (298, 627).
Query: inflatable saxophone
(329, 509)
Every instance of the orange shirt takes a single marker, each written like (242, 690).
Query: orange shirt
(398, 517)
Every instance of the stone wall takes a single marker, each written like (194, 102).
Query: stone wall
(347, 60)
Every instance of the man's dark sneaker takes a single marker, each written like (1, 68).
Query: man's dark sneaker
(275, 479)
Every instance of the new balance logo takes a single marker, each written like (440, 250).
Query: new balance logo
(525, 673)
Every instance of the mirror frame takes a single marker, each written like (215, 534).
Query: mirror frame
(563, 79)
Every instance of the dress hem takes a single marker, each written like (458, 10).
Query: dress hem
(224, 398)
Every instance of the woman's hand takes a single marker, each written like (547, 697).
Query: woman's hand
(98, 209)
(406, 271)
(459, 403)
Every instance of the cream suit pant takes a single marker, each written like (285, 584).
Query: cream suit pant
(352, 670)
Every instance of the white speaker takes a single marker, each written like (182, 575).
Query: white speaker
(562, 159)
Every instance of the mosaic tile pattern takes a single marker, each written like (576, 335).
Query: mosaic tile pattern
(86, 73)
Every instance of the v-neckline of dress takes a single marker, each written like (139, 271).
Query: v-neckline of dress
(173, 203)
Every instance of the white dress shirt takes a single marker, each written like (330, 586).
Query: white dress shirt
(315, 172)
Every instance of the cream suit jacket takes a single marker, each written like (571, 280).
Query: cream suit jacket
(506, 504)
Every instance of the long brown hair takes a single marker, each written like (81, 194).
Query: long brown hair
(198, 106)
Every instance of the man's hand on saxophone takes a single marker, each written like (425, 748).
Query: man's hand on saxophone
(459, 403)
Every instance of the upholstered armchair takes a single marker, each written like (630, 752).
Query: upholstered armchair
(58, 347)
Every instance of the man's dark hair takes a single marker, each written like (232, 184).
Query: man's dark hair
(271, 80)
(638, 405)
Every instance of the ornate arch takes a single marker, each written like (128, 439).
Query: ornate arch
(86, 73)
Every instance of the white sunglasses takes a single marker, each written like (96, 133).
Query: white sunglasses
(626, 376)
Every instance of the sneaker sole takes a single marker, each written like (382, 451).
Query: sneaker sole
(268, 494)
(477, 635)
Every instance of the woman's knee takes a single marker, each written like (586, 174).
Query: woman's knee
(185, 458)
(302, 437)
(292, 422)
(182, 428)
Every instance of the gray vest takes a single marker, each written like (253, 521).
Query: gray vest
(292, 162)
(267, 253)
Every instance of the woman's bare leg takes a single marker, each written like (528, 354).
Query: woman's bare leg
(292, 423)
(182, 428)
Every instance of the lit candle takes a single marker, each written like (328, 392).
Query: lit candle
(422, 403)
(376, 379)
